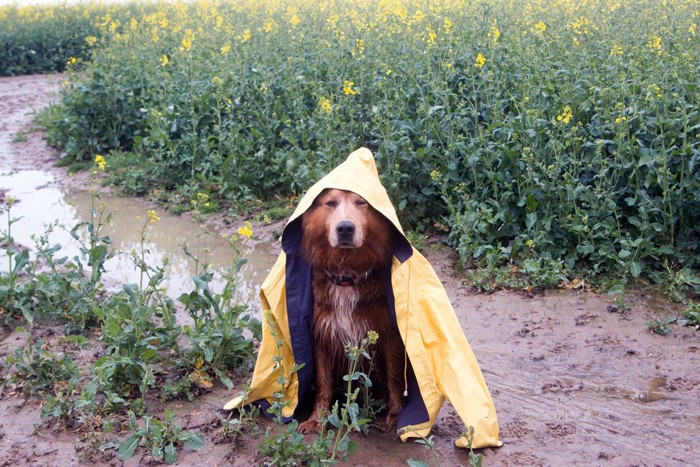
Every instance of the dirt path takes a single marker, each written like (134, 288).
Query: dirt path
(573, 383)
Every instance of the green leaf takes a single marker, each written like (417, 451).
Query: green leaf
(624, 254)
(223, 377)
(170, 454)
(415, 463)
(128, 447)
(635, 268)
(530, 219)
(192, 441)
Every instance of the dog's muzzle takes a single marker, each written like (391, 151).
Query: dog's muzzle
(346, 232)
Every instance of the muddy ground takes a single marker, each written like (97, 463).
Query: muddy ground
(573, 383)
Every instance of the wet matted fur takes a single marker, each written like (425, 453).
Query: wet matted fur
(349, 246)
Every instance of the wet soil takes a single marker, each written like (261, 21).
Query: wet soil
(573, 383)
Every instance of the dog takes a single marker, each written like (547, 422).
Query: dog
(349, 246)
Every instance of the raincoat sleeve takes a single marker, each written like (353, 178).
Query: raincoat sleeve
(443, 361)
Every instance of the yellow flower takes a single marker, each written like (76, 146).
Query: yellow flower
(294, 21)
(372, 337)
(494, 33)
(565, 116)
(216, 81)
(164, 60)
(447, 26)
(152, 217)
(100, 162)
(91, 40)
(654, 44)
(359, 48)
(347, 88)
(479, 61)
(202, 198)
(244, 36)
(540, 27)
(246, 231)
(615, 50)
(186, 43)
(72, 61)
(693, 29)
(268, 25)
(225, 49)
(324, 104)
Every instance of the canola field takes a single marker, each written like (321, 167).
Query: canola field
(555, 138)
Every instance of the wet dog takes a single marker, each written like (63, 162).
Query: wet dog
(349, 246)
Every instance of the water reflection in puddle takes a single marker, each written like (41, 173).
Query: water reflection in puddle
(41, 203)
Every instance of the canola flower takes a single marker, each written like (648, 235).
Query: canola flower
(152, 216)
(372, 337)
(479, 61)
(494, 33)
(246, 231)
(201, 199)
(654, 44)
(347, 88)
(325, 105)
(100, 163)
(540, 27)
(565, 116)
(186, 43)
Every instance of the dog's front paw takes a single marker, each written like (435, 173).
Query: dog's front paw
(390, 422)
(309, 426)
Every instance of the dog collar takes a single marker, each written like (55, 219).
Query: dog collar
(344, 280)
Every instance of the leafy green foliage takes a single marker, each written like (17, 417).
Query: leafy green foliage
(163, 437)
(661, 326)
(553, 139)
(141, 343)
(38, 370)
(692, 314)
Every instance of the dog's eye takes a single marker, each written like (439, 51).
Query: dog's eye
(360, 202)
(331, 203)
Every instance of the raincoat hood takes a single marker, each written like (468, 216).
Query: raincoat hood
(439, 361)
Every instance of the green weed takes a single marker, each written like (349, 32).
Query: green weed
(19, 137)
(660, 326)
(162, 437)
(37, 370)
(692, 315)
(236, 425)
(283, 444)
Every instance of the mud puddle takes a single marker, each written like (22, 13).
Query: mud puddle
(40, 203)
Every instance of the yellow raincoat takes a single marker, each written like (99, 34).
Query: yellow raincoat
(440, 363)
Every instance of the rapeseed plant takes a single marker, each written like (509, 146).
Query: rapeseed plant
(453, 86)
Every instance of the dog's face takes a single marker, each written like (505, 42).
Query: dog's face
(345, 215)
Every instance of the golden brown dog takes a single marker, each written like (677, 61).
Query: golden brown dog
(349, 246)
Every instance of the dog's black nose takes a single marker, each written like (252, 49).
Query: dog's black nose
(345, 229)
